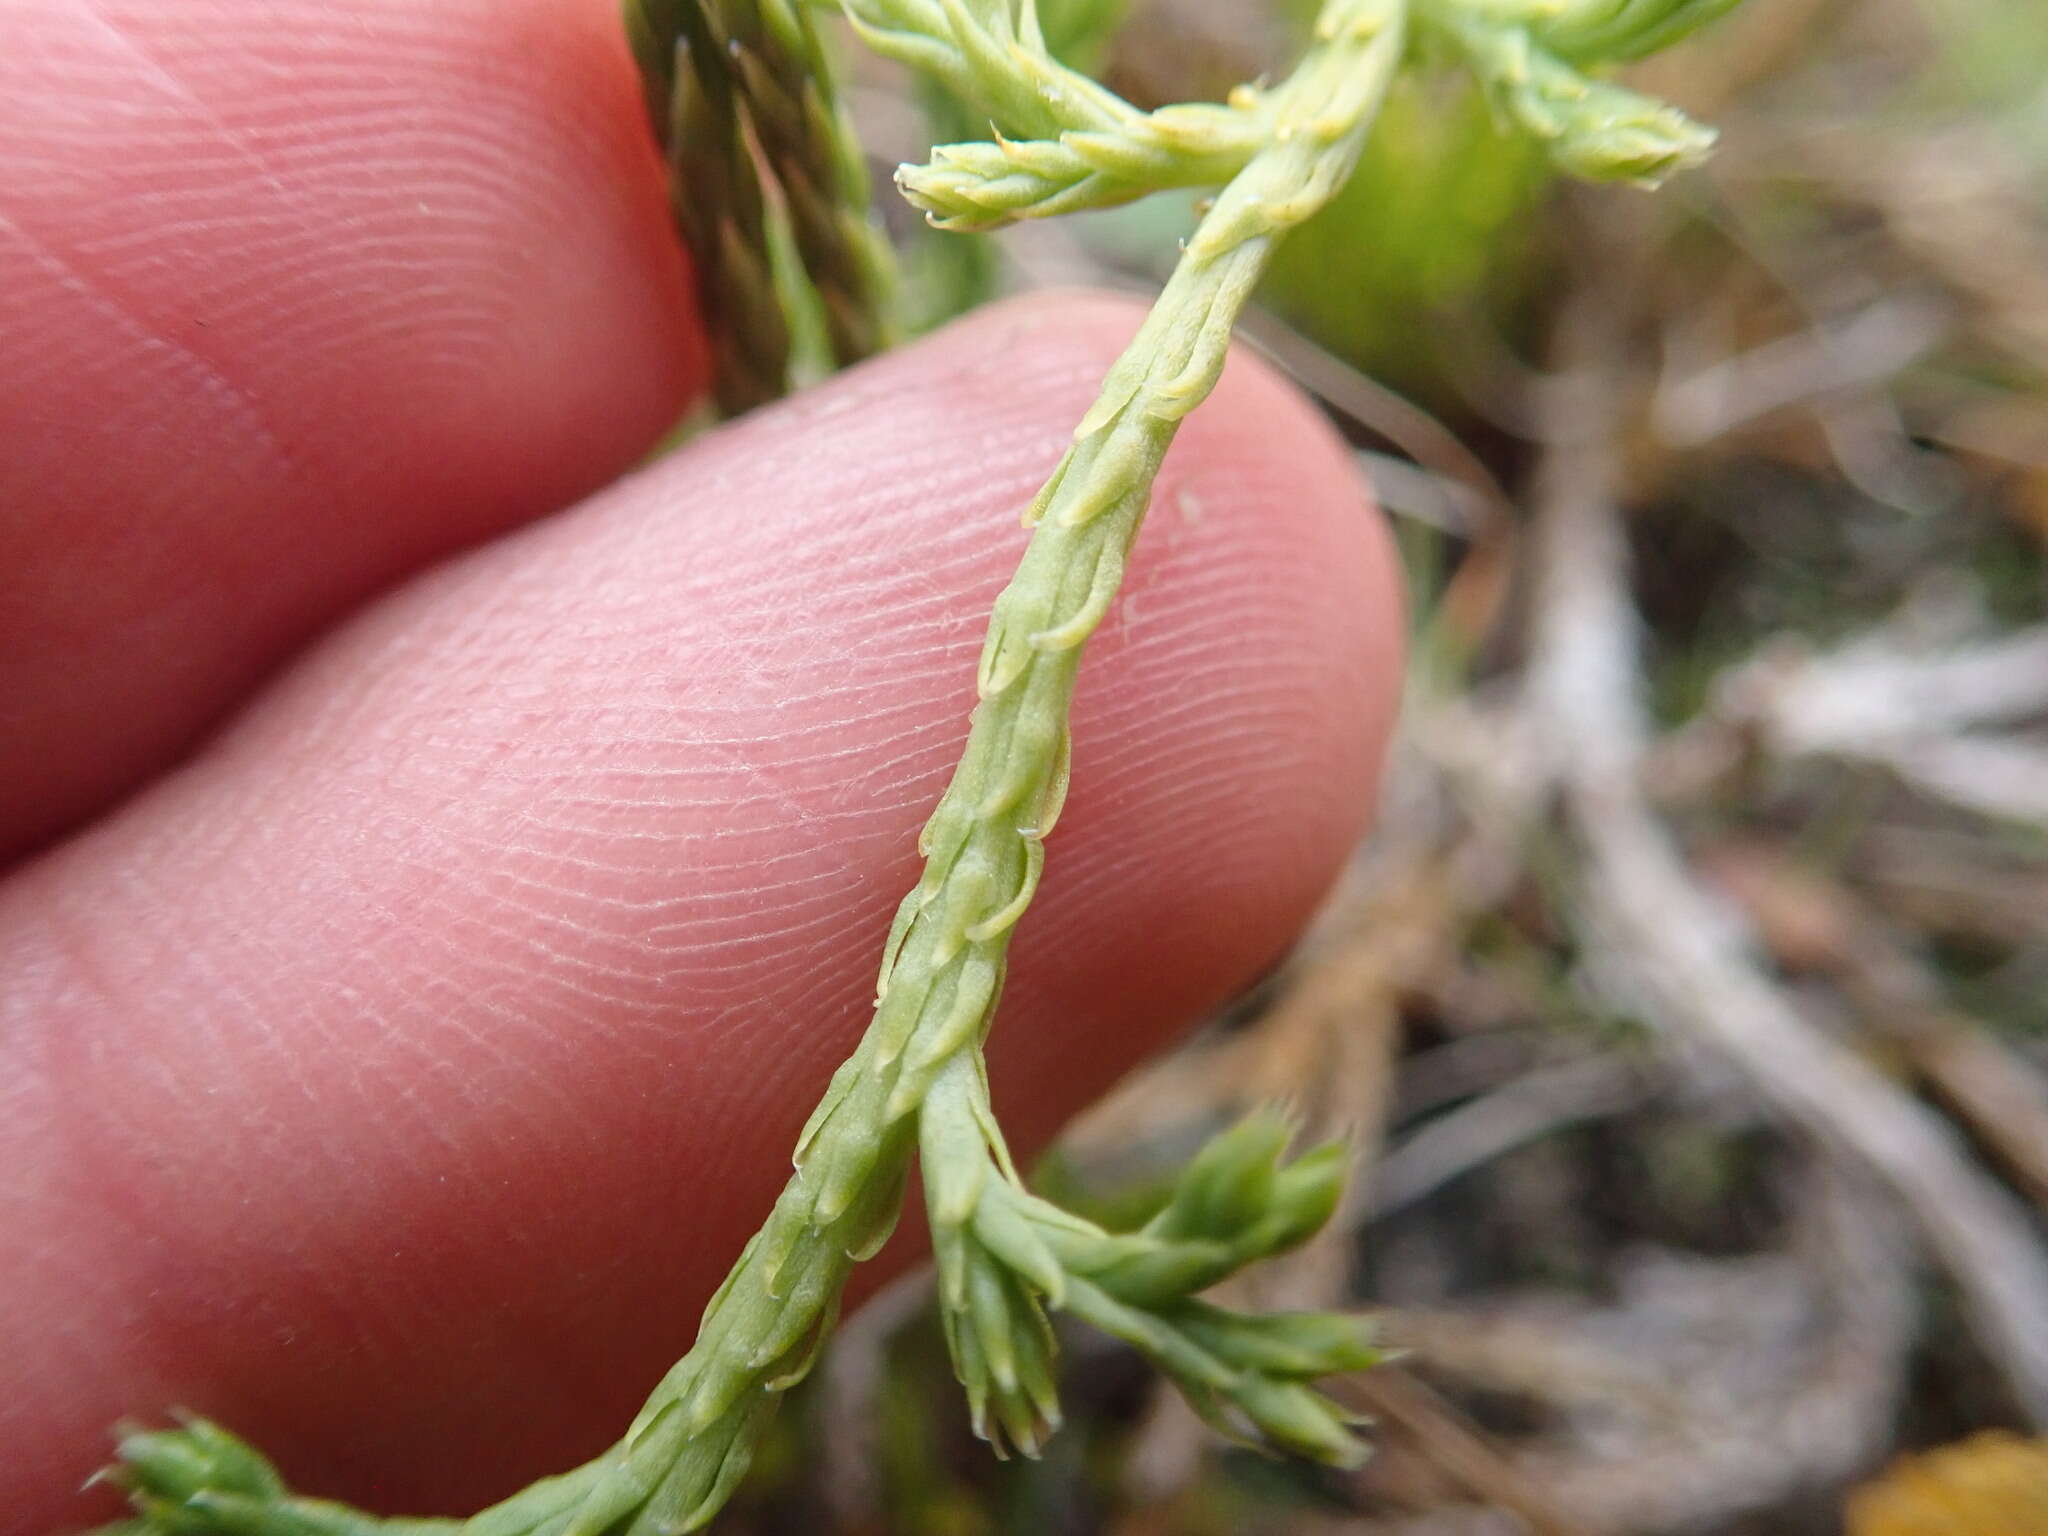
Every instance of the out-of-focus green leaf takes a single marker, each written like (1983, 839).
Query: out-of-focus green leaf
(1434, 227)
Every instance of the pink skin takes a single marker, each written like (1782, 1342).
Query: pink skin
(396, 1069)
(295, 297)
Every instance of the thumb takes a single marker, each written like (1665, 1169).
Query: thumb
(396, 1082)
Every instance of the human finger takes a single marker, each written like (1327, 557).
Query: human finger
(395, 1082)
(295, 297)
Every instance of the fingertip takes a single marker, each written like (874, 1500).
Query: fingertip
(293, 300)
(426, 1051)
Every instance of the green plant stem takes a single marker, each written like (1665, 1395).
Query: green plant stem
(947, 277)
(715, 197)
(980, 186)
(732, 85)
(1067, 148)
(951, 276)
(793, 107)
(1589, 127)
(984, 846)
(990, 56)
(916, 1084)
(1061, 140)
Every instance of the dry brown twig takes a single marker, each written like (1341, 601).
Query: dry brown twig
(1923, 713)
(1959, 201)
(1814, 923)
(1865, 349)
(1706, 1388)
(1679, 955)
(1782, 1370)
(1473, 597)
(1928, 714)
(1534, 1105)
(1412, 1415)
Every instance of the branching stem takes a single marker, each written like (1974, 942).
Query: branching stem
(746, 86)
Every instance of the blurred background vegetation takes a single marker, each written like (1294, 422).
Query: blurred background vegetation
(1686, 1009)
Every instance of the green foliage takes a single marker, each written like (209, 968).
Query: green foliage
(1431, 231)
(1588, 126)
(735, 85)
(949, 277)
(767, 184)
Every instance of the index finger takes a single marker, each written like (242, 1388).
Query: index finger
(295, 297)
